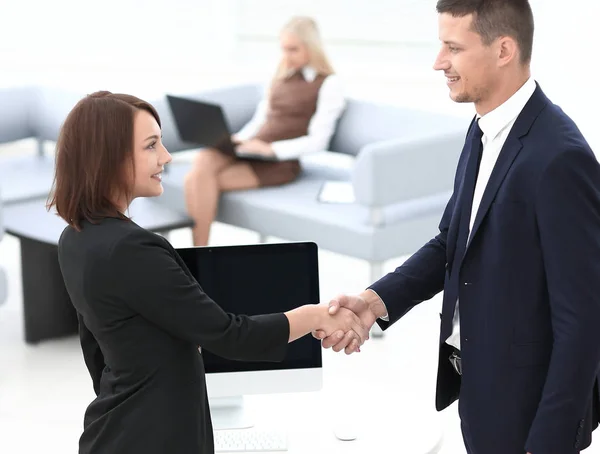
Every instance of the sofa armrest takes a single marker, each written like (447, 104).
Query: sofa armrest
(399, 170)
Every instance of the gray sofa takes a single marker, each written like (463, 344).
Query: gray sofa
(401, 176)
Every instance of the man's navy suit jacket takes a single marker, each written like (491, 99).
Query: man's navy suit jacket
(528, 287)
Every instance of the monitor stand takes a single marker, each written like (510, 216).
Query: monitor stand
(229, 413)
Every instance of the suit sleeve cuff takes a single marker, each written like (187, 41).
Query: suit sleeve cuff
(278, 328)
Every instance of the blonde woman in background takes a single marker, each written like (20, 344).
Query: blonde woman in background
(297, 116)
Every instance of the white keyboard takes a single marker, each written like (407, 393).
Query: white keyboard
(249, 440)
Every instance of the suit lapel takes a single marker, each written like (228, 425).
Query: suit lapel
(508, 154)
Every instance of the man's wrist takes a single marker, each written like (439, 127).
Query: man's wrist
(375, 303)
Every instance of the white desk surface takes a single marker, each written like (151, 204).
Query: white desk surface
(307, 419)
(389, 388)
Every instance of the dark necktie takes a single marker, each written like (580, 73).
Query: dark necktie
(470, 180)
(466, 201)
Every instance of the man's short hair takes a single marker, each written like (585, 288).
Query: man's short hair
(495, 18)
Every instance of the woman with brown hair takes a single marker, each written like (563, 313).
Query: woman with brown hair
(142, 315)
(298, 116)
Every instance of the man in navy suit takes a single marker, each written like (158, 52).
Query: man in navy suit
(518, 253)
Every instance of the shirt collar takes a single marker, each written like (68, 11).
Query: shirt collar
(309, 73)
(495, 121)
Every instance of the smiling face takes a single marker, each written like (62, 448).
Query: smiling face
(471, 67)
(149, 156)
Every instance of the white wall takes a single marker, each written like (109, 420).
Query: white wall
(384, 49)
(565, 55)
(358, 33)
(70, 42)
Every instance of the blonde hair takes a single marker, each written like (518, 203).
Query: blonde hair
(306, 30)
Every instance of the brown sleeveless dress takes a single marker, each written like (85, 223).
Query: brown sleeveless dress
(292, 104)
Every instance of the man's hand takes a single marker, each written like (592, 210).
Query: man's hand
(255, 146)
(367, 306)
(347, 325)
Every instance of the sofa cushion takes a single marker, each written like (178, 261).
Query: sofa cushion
(15, 109)
(50, 109)
(364, 123)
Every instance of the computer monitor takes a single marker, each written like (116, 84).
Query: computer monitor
(251, 280)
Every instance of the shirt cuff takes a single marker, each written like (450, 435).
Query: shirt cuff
(288, 149)
(386, 317)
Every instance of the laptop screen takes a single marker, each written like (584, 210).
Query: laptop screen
(200, 123)
(259, 279)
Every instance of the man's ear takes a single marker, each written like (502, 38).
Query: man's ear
(508, 50)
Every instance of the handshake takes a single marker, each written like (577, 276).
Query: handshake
(348, 321)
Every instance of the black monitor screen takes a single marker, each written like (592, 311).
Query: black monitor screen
(259, 279)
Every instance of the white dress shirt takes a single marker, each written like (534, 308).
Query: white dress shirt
(496, 126)
(330, 104)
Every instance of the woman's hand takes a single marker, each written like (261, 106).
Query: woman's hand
(255, 146)
(350, 330)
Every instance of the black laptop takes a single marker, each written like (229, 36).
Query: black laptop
(203, 124)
